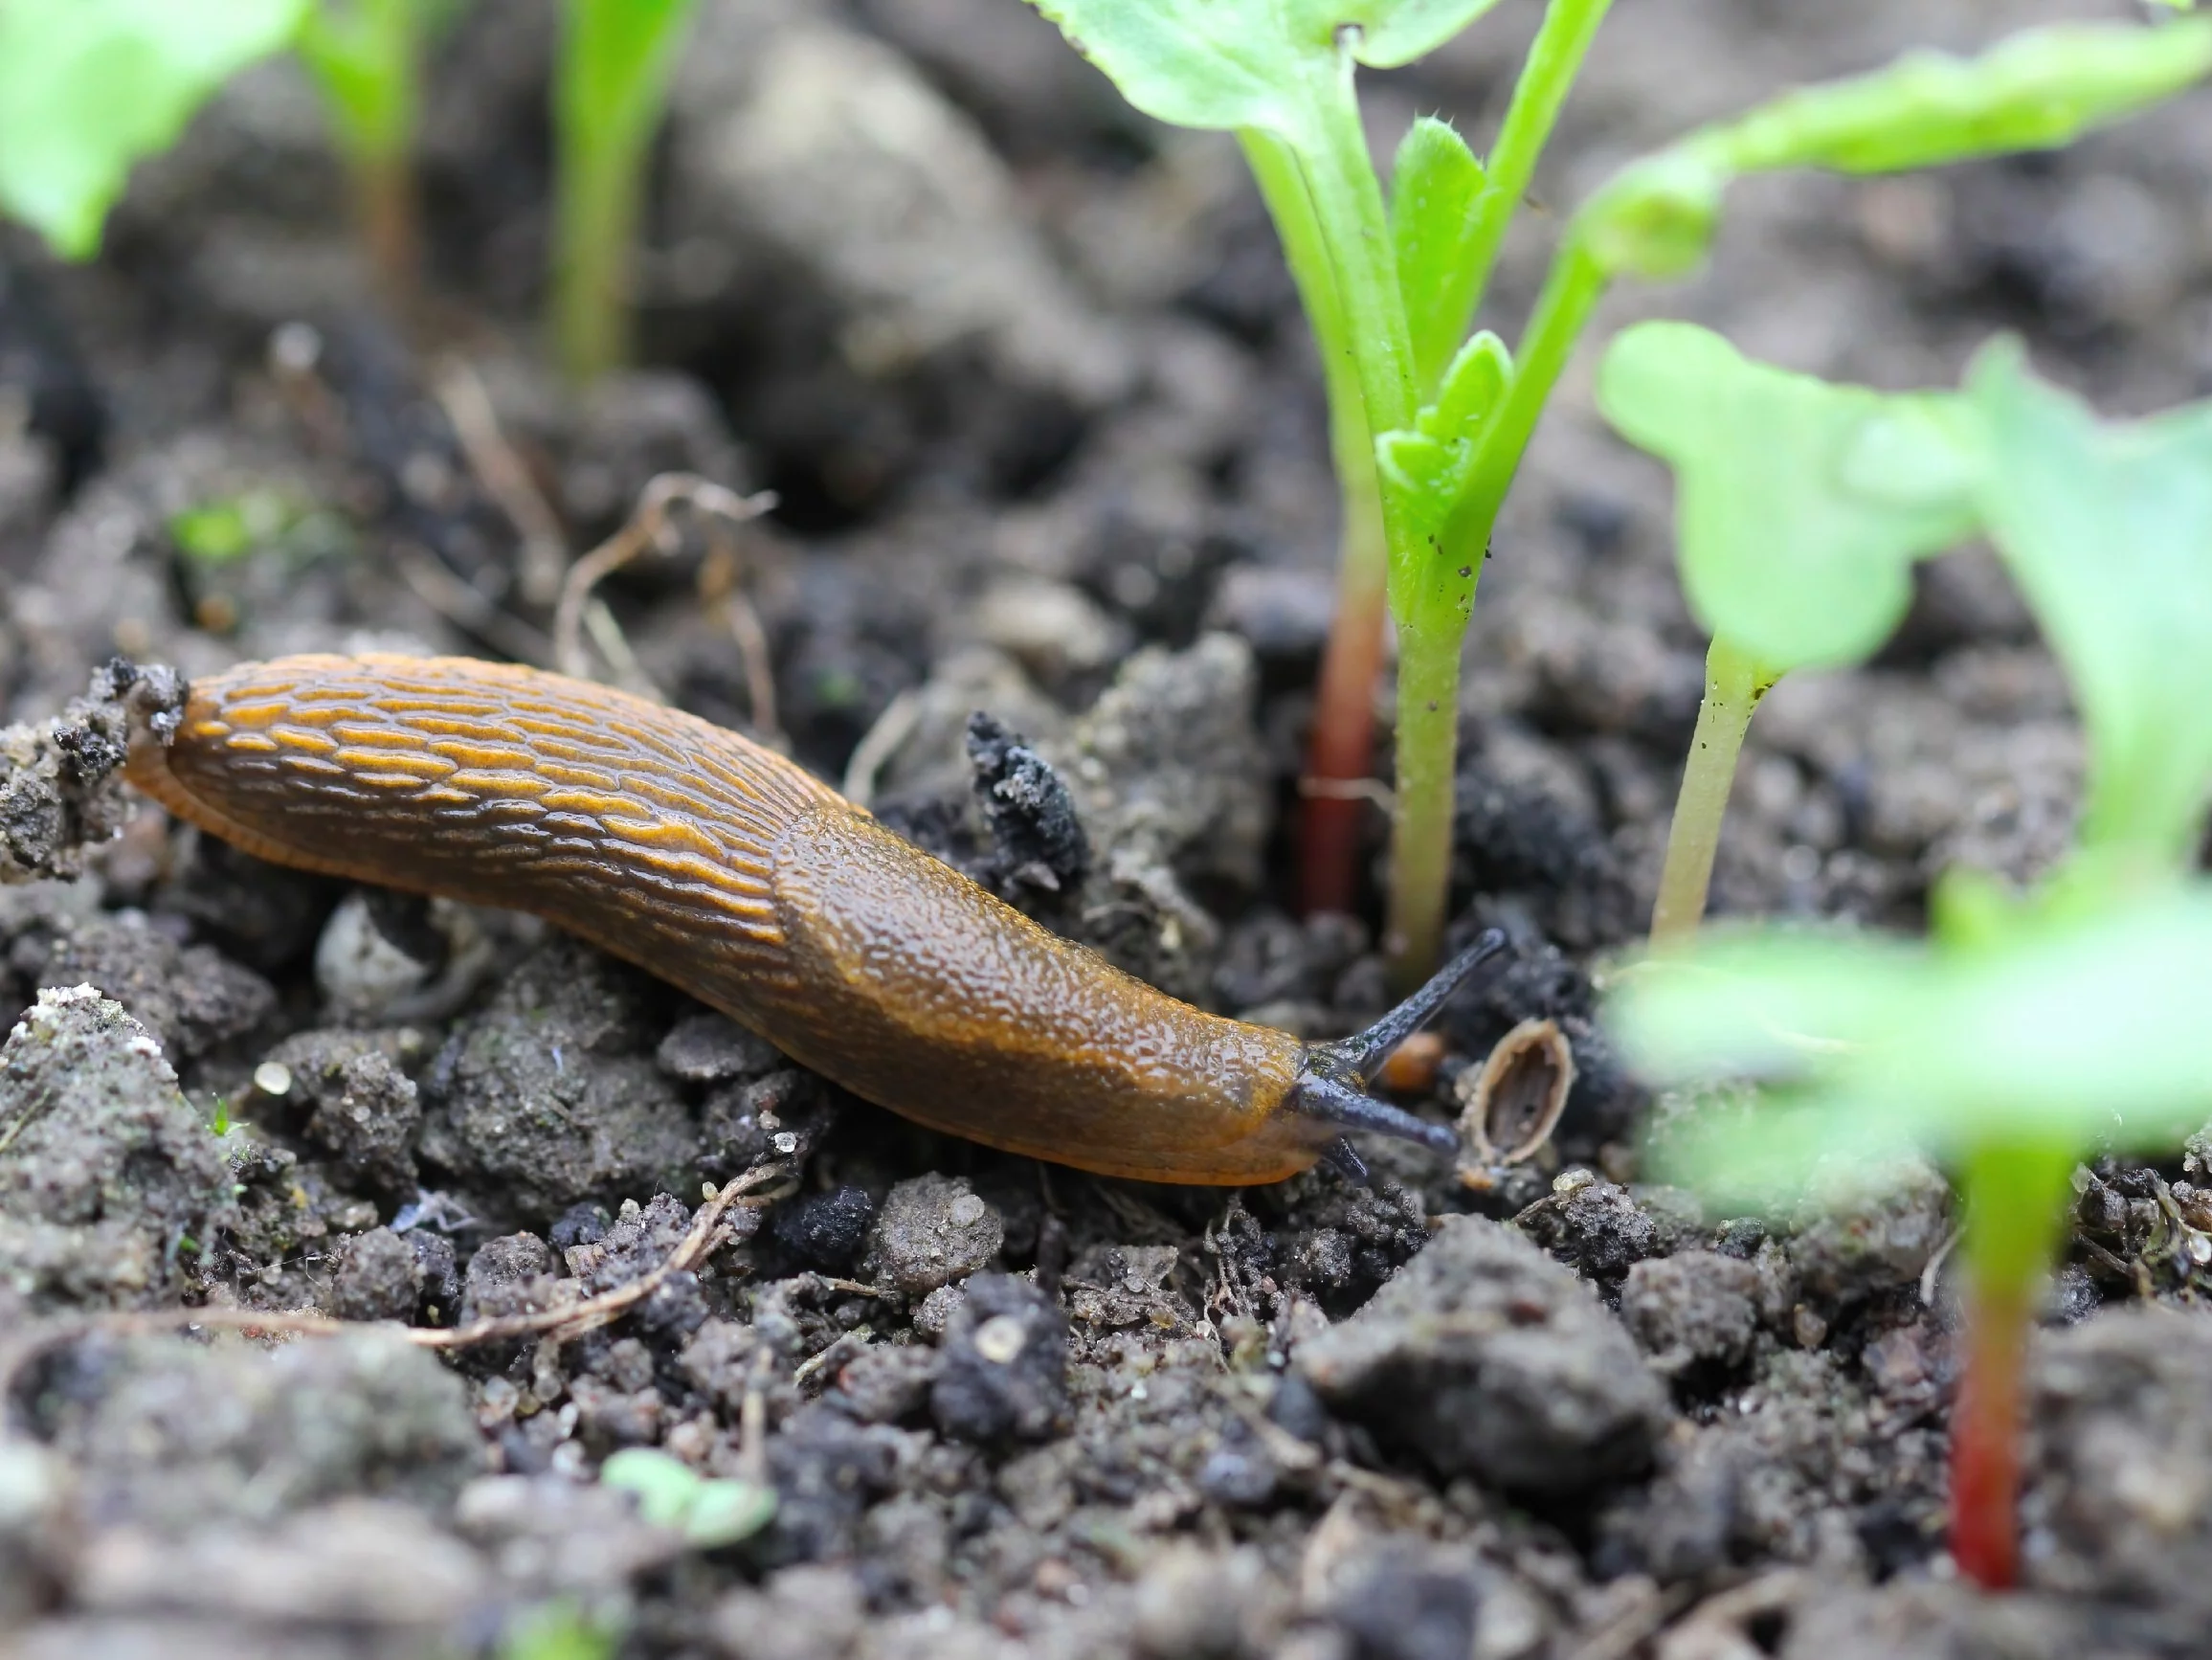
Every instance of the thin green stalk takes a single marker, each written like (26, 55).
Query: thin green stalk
(2016, 1198)
(1734, 685)
(1554, 60)
(597, 215)
(1355, 227)
(1341, 747)
(610, 83)
(366, 58)
(1433, 599)
(1572, 290)
(1428, 732)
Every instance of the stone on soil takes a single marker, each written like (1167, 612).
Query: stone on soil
(1485, 1357)
(112, 1183)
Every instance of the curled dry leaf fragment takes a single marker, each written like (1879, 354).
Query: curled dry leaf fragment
(1511, 1102)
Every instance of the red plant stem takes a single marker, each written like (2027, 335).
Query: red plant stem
(1985, 1421)
(1341, 750)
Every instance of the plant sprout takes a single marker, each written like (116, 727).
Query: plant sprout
(2025, 1036)
(708, 1512)
(2031, 1029)
(609, 84)
(1428, 432)
(366, 57)
(1801, 508)
(88, 88)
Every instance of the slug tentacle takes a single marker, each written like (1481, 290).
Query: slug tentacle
(1359, 1056)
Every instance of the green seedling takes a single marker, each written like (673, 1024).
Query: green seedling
(2031, 1029)
(670, 1493)
(558, 1631)
(1427, 432)
(1803, 505)
(2026, 1034)
(365, 55)
(1390, 289)
(1801, 508)
(88, 88)
(609, 86)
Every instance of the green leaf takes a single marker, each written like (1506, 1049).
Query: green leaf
(1802, 505)
(2108, 531)
(89, 88)
(1429, 465)
(615, 58)
(2071, 1031)
(363, 55)
(1243, 64)
(1656, 218)
(671, 1494)
(2040, 89)
(1433, 185)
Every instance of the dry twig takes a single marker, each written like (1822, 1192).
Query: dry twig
(561, 1324)
(648, 530)
(507, 480)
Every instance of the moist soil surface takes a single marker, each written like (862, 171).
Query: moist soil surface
(1030, 384)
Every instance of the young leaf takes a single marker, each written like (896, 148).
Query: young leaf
(89, 88)
(1802, 505)
(2069, 1031)
(1428, 465)
(2040, 89)
(362, 54)
(1241, 63)
(2108, 531)
(1432, 187)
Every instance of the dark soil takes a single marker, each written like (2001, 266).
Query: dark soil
(1030, 381)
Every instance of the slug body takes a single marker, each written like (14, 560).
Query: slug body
(732, 873)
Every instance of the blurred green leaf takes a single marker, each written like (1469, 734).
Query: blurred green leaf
(615, 61)
(2108, 531)
(89, 88)
(1225, 64)
(556, 1631)
(671, 1494)
(363, 53)
(2040, 89)
(1801, 505)
(1656, 217)
(1433, 185)
(2071, 1031)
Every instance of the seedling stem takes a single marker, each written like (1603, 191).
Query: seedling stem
(366, 57)
(615, 57)
(2015, 1202)
(1734, 685)
(1433, 604)
(1328, 206)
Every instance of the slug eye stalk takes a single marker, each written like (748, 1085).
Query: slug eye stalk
(1332, 1085)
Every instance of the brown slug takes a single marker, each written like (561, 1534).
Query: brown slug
(730, 872)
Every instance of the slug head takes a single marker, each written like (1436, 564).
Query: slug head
(1332, 1084)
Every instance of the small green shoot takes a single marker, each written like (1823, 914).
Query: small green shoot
(219, 1121)
(229, 528)
(1800, 508)
(88, 88)
(1427, 434)
(558, 1631)
(2031, 1029)
(2027, 1035)
(2103, 527)
(708, 1514)
(1389, 290)
(609, 85)
(366, 57)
